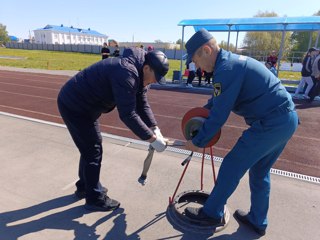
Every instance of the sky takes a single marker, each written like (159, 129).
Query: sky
(140, 20)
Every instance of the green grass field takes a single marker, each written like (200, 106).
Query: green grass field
(54, 60)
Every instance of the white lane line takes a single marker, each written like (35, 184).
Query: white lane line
(33, 80)
(49, 115)
(32, 119)
(30, 111)
(28, 95)
(28, 86)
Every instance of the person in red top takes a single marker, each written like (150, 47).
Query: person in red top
(273, 59)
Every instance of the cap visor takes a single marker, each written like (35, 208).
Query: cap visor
(160, 79)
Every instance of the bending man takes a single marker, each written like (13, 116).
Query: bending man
(114, 82)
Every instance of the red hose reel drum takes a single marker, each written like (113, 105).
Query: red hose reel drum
(193, 120)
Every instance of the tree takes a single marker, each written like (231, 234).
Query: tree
(300, 40)
(4, 38)
(224, 45)
(179, 41)
(262, 43)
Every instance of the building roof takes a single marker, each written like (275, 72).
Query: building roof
(72, 29)
(13, 38)
(311, 23)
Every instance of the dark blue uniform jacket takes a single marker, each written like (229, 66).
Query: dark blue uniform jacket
(110, 83)
(306, 67)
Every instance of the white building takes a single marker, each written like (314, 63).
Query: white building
(52, 34)
(165, 45)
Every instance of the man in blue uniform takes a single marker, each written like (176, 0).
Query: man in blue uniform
(114, 82)
(246, 87)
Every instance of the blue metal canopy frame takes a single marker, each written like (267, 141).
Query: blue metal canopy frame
(257, 24)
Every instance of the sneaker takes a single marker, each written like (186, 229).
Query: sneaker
(189, 86)
(198, 215)
(243, 217)
(102, 203)
(80, 193)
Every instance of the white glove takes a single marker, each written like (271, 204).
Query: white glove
(159, 144)
(157, 132)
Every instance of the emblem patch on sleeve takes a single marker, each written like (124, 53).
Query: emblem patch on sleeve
(216, 89)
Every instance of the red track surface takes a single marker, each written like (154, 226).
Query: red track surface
(34, 95)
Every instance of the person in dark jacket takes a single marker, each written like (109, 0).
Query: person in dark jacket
(306, 72)
(114, 82)
(244, 86)
(116, 52)
(105, 51)
(315, 60)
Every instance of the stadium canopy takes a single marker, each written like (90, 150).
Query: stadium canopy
(256, 24)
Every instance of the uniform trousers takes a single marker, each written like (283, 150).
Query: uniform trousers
(256, 150)
(85, 132)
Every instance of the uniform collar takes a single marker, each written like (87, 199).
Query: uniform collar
(218, 59)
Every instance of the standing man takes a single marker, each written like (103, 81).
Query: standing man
(105, 51)
(192, 74)
(246, 87)
(116, 52)
(273, 58)
(115, 82)
(306, 72)
(315, 76)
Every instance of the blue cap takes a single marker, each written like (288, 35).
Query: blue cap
(196, 41)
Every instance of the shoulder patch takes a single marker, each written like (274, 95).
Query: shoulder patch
(216, 89)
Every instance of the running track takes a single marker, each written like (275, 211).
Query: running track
(34, 95)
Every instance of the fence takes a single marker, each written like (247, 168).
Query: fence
(292, 62)
(82, 48)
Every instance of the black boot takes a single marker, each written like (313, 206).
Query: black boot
(243, 217)
(101, 203)
(198, 215)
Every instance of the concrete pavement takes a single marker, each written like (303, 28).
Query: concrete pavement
(39, 168)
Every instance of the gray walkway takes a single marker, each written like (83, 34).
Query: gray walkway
(39, 168)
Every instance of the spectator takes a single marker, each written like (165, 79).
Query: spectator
(199, 75)
(150, 48)
(306, 72)
(271, 68)
(315, 75)
(208, 76)
(192, 74)
(105, 51)
(273, 58)
(116, 52)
